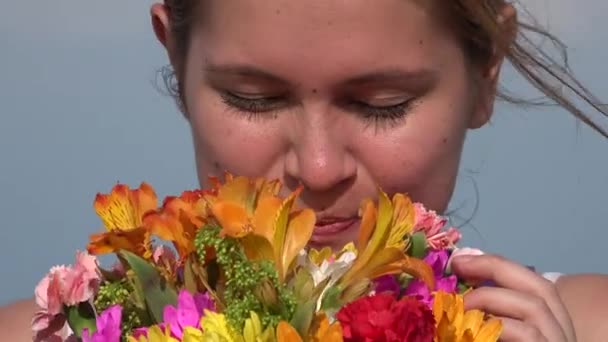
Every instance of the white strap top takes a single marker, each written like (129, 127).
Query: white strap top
(552, 276)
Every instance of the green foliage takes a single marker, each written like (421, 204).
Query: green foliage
(80, 317)
(156, 291)
(243, 280)
(121, 293)
(418, 245)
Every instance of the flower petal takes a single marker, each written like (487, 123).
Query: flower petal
(264, 216)
(257, 247)
(287, 333)
(136, 241)
(281, 222)
(368, 215)
(124, 208)
(299, 232)
(232, 218)
(490, 331)
(237, 190)
(402, 222)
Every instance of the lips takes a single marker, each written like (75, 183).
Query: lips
(332, 226)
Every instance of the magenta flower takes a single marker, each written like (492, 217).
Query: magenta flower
(438, 261)
(387, 283)
(108, 326)
(188, 312)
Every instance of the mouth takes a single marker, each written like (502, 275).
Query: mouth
(331, 228)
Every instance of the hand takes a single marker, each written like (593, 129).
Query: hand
(528, 304)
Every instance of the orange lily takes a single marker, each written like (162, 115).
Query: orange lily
(122, 213)
(243, 203)
(193, 203)
(268, 227)
(179, 220)
(290, 233)
(382, 240)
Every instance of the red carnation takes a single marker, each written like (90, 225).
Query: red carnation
(382, 318)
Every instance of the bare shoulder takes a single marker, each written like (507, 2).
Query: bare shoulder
(15, 320)
(586, 297)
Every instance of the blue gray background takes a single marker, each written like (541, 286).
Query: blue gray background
(79, 111)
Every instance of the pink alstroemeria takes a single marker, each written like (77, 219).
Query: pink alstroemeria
(108, 326)
(64, 286)
(431, 224)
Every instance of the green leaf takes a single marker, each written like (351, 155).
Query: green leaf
(303, 285)
(418, 245)
(157, 292)
(331, 299)
(462, 288)
(80, 317)
(109, 275)
(190, 282)
(302, 317)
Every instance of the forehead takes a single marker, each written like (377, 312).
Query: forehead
(331, 38)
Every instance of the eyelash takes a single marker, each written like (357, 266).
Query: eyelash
(255, 108)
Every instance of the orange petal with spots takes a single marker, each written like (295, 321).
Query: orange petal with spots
(123, 208)
(136, 241)
(402, 222)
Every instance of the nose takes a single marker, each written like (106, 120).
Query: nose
(319, 159)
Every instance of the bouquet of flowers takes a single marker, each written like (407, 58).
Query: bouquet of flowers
(233, 263)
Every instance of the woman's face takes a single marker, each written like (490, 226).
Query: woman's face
(339, 96)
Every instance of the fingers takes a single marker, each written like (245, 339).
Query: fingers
(503, 272)
(529, 310)
(518, 331)
(508, 274)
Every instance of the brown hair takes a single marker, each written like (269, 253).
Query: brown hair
(483, 37)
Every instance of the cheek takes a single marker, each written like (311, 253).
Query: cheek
(420, 158)
(227, 140)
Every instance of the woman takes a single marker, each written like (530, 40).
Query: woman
(342, 96)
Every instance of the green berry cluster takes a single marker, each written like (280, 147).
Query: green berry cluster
(243, 277)
(119, 292)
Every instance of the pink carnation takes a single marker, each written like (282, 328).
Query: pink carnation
(431, 224)
(64, 286)
(83, 281)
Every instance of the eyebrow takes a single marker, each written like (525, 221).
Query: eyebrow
(243, 71)
(388, 75)
(395, 75)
